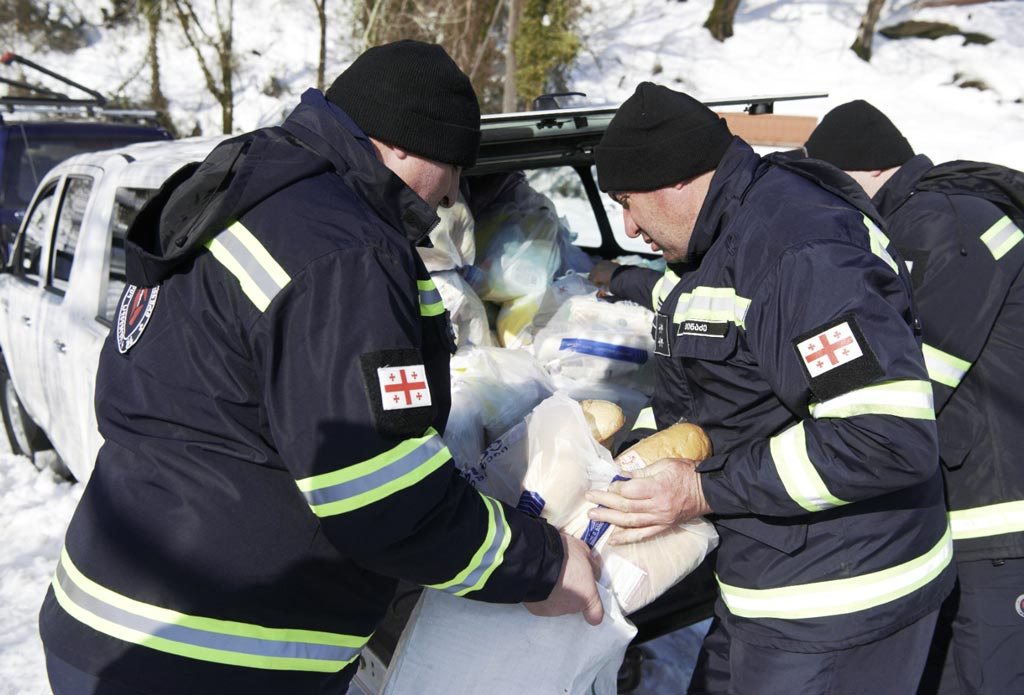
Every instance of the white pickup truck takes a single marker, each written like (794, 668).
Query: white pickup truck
(60, 290)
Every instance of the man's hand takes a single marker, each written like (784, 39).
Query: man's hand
(576, 590)
(601, 273)
(661, 495)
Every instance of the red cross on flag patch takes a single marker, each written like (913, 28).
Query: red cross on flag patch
(832, 347)
(403, 387)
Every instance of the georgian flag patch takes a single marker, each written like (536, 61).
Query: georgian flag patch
(137, 304)
(837, 358)
(832, 347)
(398, 392)
(403, 387)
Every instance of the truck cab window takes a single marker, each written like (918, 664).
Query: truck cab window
(69, 223)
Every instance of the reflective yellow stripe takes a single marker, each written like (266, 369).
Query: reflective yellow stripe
(645, 420)
(799, 476)
(259, 275)
(662, 288)
(488, 556)
(1001, 237)
(840, 596)
(909, 399)
(712, 304)
(944, 368)
(993, 520)
(372, 480)
(879, 243)
(430, 299)
(197, 637)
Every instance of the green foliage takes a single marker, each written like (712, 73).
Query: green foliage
(545, 46)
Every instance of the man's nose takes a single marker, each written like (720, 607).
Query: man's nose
(632, 228)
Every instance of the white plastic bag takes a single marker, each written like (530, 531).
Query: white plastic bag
(459, 647)
(590, 340)
(456, 646)
(504, 385)
(466, 311)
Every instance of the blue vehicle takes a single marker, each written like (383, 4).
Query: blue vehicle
(43, 127)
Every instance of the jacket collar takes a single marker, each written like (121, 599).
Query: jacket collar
(325, 128)
(898, 189)
(731, 178)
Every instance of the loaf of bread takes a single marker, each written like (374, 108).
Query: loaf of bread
(604, 419)
(660, 561)
(681, 440)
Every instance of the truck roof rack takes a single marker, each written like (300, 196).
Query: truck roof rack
(42, 100)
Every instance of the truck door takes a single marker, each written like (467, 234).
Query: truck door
(21, 302)
(69, 334)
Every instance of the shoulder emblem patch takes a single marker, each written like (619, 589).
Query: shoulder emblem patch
(833, 346)
(837, 358)
(137, 304)
(398, 392)
(403, 387)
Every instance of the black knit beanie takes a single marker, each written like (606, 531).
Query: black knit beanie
(412, 95)
(658, 138)
(858, 137)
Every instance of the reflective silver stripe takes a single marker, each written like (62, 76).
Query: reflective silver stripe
(645, 420)
(245, 257)
(993, 520)
(488, 556)
(712, 304)
(1001, 237)
(662, 288)
(944, 368)
(909, 399)
(430, 299)
(195, 637)
(840, 596)
(372, 480)
(799, 476)
(879, 243)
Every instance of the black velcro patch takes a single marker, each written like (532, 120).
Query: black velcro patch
(660, 333)
(398, 392)
(836, 358)
(706, 329)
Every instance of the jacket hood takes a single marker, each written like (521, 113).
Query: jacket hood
(202, 199)
(898, 189)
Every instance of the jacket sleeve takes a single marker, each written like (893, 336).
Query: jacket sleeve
(830, 329)
(966, 255)
(643, 286)
(381, 481)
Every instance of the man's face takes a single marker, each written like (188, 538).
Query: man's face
(435, 182)
(665, 217)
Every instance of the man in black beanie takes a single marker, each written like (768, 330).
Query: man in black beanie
(959, 227)
(785, 328)
(273, 401)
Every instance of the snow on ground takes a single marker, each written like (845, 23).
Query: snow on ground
(798, 46)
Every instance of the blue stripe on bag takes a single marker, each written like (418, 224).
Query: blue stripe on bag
(609, 350)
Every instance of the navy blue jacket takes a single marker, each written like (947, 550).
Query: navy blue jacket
(273, 458)
(966, 258)
(788, 335)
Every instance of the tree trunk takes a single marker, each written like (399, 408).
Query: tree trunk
(321, 13)
(866, 32)
(720, 20)
(154, 13)
(508, 102)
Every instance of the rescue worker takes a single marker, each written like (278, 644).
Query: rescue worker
(784, 327)
(957, 226)
(272, 399)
